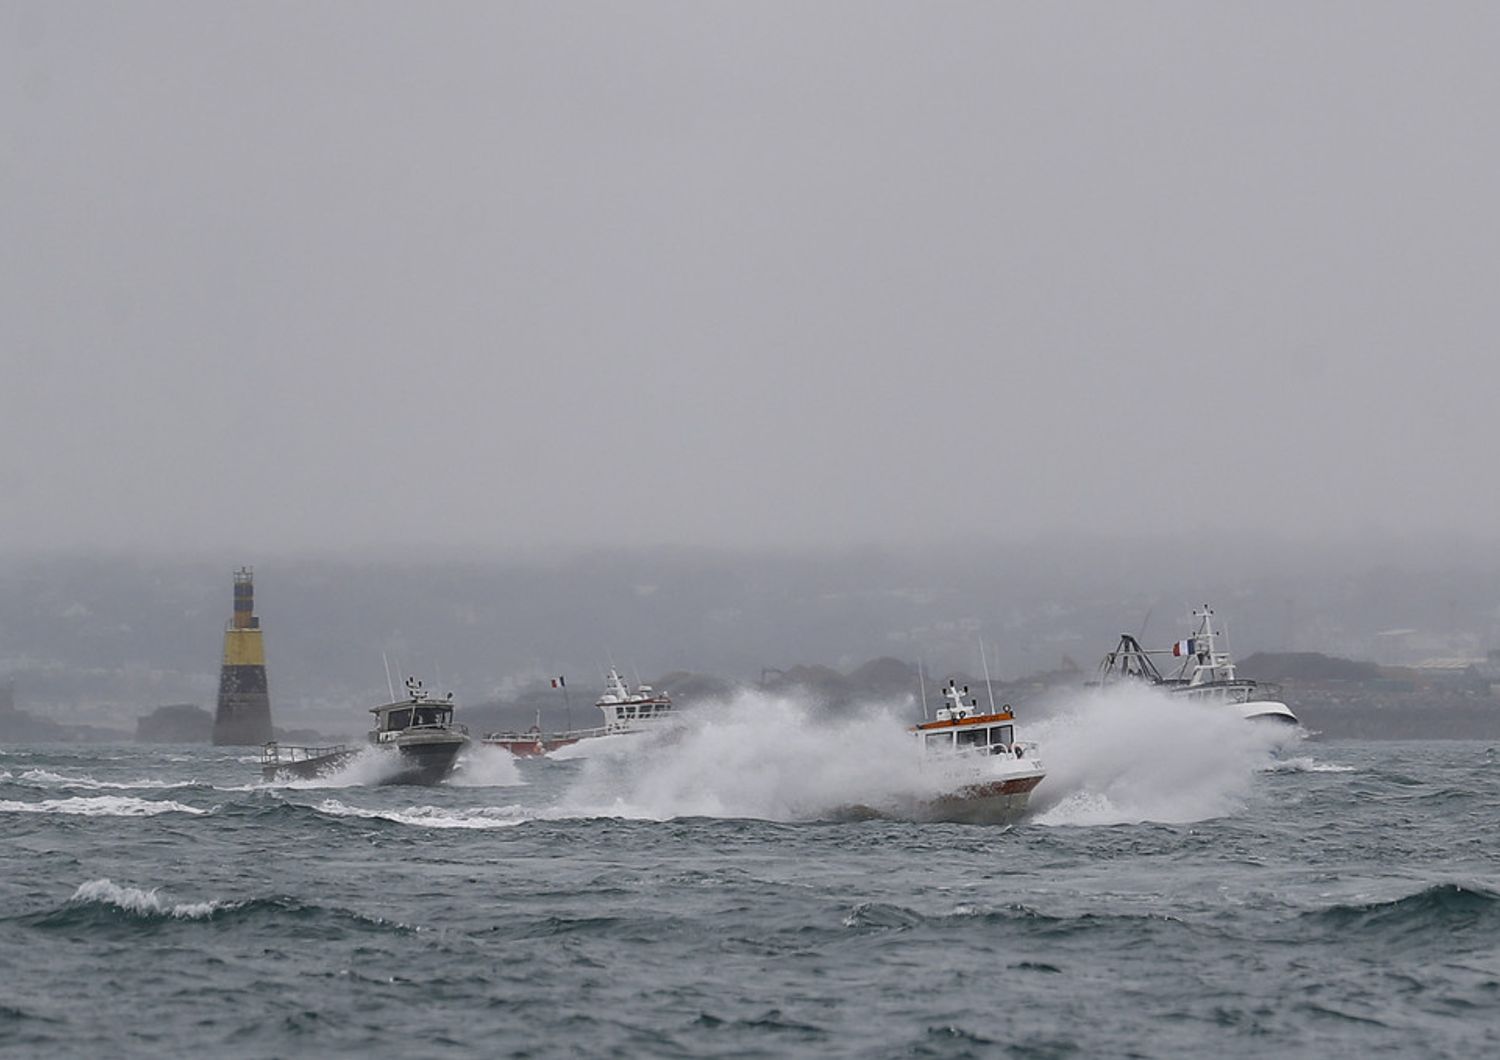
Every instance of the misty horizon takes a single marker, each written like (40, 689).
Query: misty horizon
(515, 278)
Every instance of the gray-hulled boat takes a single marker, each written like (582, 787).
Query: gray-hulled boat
(421, 731)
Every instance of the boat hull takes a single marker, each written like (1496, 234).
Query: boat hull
(534, 747)
(426, 760)
(1269, 710)
(985, 802)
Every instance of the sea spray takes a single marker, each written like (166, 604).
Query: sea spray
(481, 766)
(752, 754)
(1130, 753)
(369, 767)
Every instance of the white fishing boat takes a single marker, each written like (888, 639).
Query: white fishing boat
(982, 773)
(626, 713)
(1206, 675)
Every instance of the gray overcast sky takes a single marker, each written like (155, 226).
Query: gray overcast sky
(341, 274)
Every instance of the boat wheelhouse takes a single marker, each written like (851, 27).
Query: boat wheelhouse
(631, 712)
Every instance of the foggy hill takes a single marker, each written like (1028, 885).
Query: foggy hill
(103, 641)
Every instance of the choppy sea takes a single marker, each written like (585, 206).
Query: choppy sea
(1180, 886)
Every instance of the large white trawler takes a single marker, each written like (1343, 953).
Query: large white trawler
(626, 713)
(1207, 674)
(984, 775)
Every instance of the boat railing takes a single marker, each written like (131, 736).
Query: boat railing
(275, 754)
(537, 736)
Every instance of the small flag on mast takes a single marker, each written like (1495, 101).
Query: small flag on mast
(558, 682)
(1185, 647)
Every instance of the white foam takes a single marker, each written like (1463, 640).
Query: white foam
(752, 755)
(134, 900)
(100, 806)
(1305, 764)
(435, 816)
(481, 766)
(1129, 754)
(43, 776)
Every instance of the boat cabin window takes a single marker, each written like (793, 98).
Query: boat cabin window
(431, 716)
(397, 719)
(1002, 734)
(939, 741)
(971, 737)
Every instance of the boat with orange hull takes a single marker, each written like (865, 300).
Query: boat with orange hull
(534, 743)
(981, 773)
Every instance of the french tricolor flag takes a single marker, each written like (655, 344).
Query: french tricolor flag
(1185, 647)
(558, 682)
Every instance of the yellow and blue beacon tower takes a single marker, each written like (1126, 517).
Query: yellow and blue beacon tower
(244, 714)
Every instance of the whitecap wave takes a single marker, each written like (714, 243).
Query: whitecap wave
(44, 776)
(1305, 764)
(101, 806)
(105, 891)
(435, 816)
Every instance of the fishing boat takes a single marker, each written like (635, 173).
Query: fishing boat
(1206, 675)
(626, 713)
(981, 772)
(536, 742)
(420, 731)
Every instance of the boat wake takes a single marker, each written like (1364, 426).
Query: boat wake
(1128, 754)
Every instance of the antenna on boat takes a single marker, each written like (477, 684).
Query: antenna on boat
(986, 664)
(922, 684)
(390, 686)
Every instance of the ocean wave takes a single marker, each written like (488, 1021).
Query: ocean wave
(105, 891)
(1434, 911)
(102, 902)
(101, 806)
(1305, 764)
(434, 816)
(45, 776)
